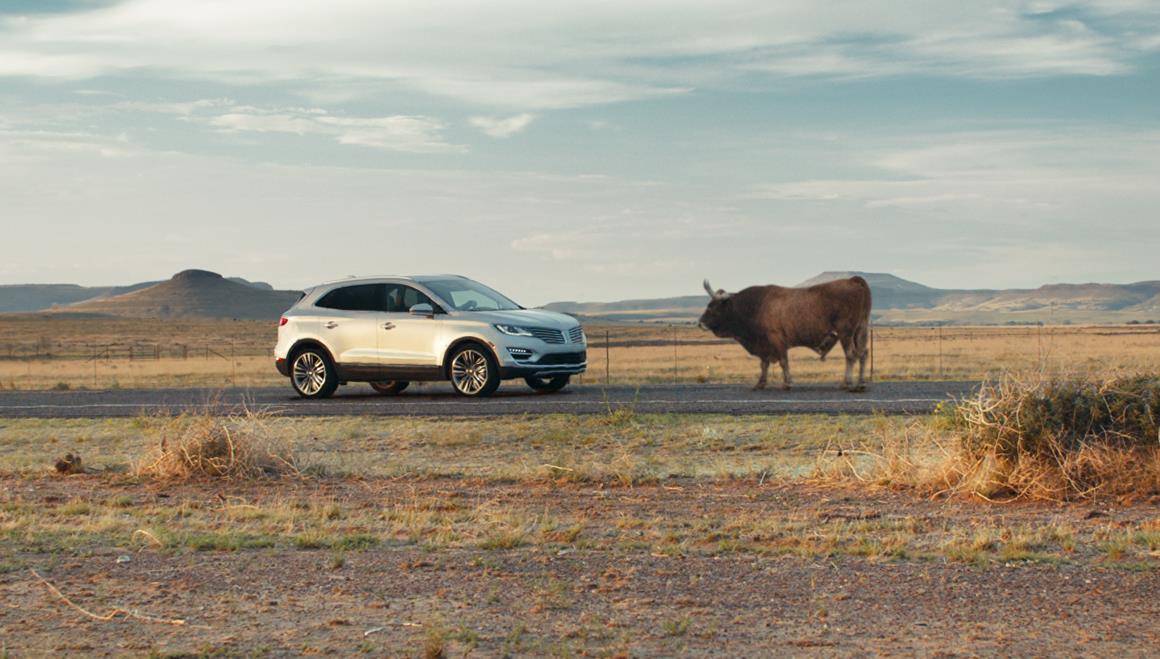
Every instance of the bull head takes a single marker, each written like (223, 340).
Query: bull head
(716, 314)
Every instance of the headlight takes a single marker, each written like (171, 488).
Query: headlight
(514, 330)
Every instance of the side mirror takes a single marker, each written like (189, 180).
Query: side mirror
(423, 309)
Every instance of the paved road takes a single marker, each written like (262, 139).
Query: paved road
(437, 399)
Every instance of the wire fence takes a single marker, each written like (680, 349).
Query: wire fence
(617, 354)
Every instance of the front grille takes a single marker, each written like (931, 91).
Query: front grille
(562, 358)
(576, 335)
(547, 335)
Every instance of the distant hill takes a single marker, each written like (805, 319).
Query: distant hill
(41, 297)
(35, 297)
(190, 294)
(888, 291)
(897, 300)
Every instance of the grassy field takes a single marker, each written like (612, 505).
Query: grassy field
(36, 353)
(617, 535)
(483, 459)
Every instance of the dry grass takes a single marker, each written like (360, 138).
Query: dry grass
(42, 354)
(200, 446)
(588, 448)
(672, 520)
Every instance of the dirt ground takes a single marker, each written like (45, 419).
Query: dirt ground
(651, 570)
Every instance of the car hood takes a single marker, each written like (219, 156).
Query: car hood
(525, 317)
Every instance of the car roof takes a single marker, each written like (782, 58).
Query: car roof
(377, 278)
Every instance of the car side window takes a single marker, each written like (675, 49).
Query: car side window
(401, 298)
(361, 297)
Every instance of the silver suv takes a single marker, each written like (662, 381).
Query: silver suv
(391, 331)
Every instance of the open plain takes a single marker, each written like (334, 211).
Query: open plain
(656, 507)
(624, 534)
(39, 352)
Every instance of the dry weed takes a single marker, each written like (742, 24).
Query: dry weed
(1023, 438)
(200, 445)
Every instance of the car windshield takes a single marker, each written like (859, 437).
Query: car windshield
(467, 295)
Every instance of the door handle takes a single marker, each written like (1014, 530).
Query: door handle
(331, 325)
(388, 326)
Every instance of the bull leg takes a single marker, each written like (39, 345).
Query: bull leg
(855, 351)
(785, 378)
(764, 374)
(848, 348)
(863, 353)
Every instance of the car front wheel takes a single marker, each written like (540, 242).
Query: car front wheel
(548, 384)
(474, 372)
(312, 374)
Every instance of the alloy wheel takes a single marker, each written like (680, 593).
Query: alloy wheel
(469, 371)
(309, 373)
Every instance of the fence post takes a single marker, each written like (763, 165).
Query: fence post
(607, 359)
(871, 351)
(940, 369)
(1039, 344)
(674, 354)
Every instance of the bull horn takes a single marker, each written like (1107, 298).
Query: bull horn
(716, 295)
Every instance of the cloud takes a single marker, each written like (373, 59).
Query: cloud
(181, 109)
(1030, 177)
(411, 134)
(522, 55)
(502, 128)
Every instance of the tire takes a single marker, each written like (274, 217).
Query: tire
(312, 373)
(390, 387)
(549, 384)
(473, 371)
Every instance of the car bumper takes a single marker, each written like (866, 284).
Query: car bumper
(283, 366)
(554, 360)
(511, 372)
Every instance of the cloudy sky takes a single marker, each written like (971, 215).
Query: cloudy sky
(587, 150)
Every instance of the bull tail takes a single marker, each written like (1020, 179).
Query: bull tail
(861, 338)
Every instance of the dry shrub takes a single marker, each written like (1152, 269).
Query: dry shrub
(200, 445)
(1061, 439)
(1057, 440)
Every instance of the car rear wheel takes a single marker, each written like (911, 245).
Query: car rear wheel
(548, 384)
(390, 387)
(312, 374)
(474, 372)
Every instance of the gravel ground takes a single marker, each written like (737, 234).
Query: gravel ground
(619, 599)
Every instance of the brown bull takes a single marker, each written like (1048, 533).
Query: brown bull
(769, 320)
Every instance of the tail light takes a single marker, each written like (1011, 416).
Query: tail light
(283, 321)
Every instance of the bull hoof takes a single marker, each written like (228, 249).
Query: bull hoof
(759, 386)
(785, 387)
(856, 389)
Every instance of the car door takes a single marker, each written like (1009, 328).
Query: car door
(349, 321)
(407, 341)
